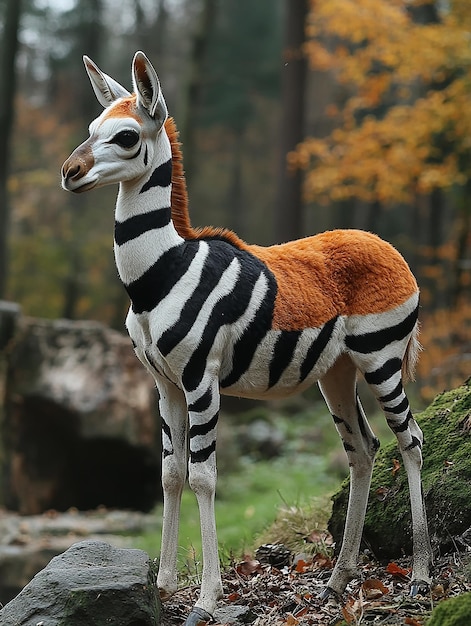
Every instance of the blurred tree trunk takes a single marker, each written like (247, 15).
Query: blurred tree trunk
(152, 36)
(89, 36)
(462, 261)
(237, 217)
(289, 209)
(436, 234)
(8, 50)
(191, 100)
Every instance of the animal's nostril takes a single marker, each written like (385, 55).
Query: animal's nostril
(73, 171)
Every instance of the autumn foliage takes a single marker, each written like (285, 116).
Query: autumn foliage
(395, 137)
(400, 139)
(406, 127)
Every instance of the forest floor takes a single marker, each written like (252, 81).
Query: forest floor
(263, 595)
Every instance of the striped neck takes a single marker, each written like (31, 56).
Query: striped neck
(144, 229)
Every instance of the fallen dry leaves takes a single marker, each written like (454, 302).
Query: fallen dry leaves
(290, 596)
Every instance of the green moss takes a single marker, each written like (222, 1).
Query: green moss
(453, 612)
(446, 478)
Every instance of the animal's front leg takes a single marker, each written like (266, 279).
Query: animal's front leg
(173, 412)
(203, 413)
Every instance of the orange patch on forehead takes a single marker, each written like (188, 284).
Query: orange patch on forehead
(123, 108)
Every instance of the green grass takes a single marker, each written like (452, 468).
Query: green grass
(250, 493)
(248, 501)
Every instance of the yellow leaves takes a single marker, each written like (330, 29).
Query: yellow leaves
(375, 88)
(355, 20)
(319, 57)
(384, 56)
(389, 159)
(383, 34)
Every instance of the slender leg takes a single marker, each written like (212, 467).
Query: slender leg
(386, 383)
(339, 390)
(173, 411)
(203, 413)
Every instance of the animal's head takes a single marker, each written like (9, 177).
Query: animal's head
(125, 137)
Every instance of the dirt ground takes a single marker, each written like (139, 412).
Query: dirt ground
(289, 596)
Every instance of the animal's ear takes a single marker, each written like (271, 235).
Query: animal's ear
(147, 87)
(106, 89)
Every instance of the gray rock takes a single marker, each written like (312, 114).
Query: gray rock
(79, 425)
(91, 584)
(9, 316)
(234, 615)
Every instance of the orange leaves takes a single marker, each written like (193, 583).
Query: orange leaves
(318, 561)
(249, 567)
(415, 146)
(319, 57)
(399, 572)
(384, 35)
(371, 590)
(294, 620)
(396, 467)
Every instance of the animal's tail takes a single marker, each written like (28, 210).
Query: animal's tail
(411, 355)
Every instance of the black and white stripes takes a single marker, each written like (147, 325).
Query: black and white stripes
(210, 314)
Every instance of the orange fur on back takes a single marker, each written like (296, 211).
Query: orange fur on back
(340, 272)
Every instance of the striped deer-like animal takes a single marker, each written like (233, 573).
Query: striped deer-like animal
(211, 314)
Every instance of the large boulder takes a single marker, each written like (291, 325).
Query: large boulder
(9, 316)
(91, 584)
(79, 424)
(446, 473)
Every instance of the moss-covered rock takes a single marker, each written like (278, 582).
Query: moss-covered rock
(446, 473)
(453, 612)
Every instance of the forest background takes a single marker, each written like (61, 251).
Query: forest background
(296, 116)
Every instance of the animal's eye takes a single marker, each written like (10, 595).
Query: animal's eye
(126, 138)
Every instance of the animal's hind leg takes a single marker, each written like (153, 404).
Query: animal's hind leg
(338, 387)
(385, 380)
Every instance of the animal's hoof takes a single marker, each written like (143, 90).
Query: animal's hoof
(165, 595)
(419, 587)
(328, 594)
(198, 617)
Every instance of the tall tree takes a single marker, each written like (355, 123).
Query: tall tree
(8, 51)
(289, 210)
(84, 24)
(241, 72)
(191, 101)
